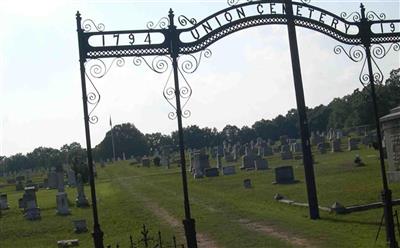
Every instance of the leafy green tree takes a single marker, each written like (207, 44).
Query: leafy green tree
(127, 139)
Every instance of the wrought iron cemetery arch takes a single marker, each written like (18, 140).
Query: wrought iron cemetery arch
(184, 47)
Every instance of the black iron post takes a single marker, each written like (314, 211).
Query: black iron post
(301, 109)
(97, 233)
(365, 31)
(188, 222)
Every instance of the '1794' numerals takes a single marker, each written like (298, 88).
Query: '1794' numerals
(131, 39)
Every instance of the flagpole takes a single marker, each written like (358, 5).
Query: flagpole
(112, 140)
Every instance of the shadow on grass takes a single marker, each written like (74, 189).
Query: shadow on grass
(369, 223)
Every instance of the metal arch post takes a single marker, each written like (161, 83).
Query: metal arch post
(97, 233)
(386, 193)
(301, 108)
(188, 222)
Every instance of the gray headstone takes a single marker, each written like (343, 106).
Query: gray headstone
(81, 200)
(391, 130)
(200, 162)
(3, 201)
(284, 175)
(71, 178)
(286, 155)
(352, 144)
(261, 164)
(62, 203)
(247, 183)
(335, 145)
(145, 161)
(80, 226)
(228, 170)
(211, 172)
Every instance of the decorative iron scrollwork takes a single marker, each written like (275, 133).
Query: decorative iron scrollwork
(93, 98)
(169, 95)
(234, 2)
(185, 92)
(355, 53)
(184, 21)
(89, 25)
(354, 15)
(371, 15)
(379, 51)
(189, 63)
(162, 23)
(99, 69)
(159, 64)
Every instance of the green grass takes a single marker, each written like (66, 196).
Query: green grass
(219, 206)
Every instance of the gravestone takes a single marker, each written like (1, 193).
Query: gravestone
(228, 170)
(391, 131)
(247, 183)
(229, 158)
(211, 172)
(19, 186)
(29, 203)
(219, 156)
(286, 155)
(284, 175)
(268, 151)
(67, 243)
(20, 178)
(261, 164)
(80, 226)
(352, 144)
(62, 203)
(283, 139)
(11, 181)
(45, 182)
(60, 181)
(145, 161)
(335, 145)
(3, 201)
(165, 156)
(52, 179)
(200, 162)
(321, 148)
(248, 162)
(285, 148)
(71, 178)
(81, 200)
(296, 147)
(156, 161)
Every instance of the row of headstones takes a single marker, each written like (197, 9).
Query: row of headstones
(283, 175)
(200, 165)
(29, 203)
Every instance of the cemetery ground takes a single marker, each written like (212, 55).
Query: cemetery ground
(226, 214)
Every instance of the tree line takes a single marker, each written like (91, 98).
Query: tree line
(352, 110)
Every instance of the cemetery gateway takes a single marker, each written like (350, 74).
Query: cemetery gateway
(177, 45)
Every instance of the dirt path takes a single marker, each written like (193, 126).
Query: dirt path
(274, 232)
(203, 240)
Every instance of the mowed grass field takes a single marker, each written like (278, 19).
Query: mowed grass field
(226, 214)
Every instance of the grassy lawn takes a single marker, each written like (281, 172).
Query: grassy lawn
(230, 215)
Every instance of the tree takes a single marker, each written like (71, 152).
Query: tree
(72, 151)
(127, 139)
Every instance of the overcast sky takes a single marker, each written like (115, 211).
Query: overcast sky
(248, 77)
